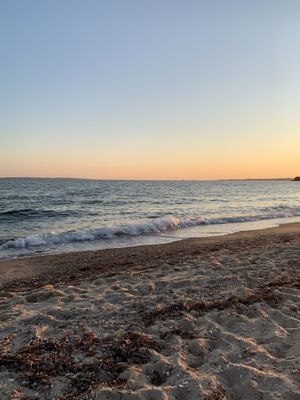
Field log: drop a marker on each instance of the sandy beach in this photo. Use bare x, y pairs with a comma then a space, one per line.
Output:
213, 318
150, 200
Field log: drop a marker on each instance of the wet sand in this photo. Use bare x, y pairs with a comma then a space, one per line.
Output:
213, 318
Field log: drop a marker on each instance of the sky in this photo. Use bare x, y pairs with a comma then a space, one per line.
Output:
140, 89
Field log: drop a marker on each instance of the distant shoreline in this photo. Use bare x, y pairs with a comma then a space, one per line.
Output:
145, 180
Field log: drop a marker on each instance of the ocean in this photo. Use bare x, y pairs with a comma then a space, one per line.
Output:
47, 216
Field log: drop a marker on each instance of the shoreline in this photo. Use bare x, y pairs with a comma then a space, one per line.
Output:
210, 318
35, 271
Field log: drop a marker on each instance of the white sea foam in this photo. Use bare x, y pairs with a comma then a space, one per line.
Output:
156, 226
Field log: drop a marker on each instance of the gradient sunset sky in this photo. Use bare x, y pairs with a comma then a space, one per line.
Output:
160, 89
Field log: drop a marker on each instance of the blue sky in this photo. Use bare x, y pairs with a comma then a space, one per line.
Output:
149, 89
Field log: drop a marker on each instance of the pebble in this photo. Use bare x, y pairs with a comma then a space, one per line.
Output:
183, 384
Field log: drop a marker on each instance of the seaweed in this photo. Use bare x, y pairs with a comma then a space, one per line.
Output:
84, 361
264, 293
203, 306
217, 393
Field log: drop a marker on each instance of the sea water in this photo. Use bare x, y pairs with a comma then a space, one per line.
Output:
45, 216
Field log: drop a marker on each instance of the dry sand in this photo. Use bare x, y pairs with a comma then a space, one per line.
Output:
215, 318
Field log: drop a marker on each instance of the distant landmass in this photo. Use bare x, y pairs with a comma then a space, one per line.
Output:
297, 178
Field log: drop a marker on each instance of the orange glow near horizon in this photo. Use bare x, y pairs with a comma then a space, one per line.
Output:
188, 165
189, 157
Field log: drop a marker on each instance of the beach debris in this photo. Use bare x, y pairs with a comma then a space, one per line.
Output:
217, 393
177, 309
183, 383
83, 361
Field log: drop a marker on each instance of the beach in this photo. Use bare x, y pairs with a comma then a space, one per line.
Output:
149, 200
205, 318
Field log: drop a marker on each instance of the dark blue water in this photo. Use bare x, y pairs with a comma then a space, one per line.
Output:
58, 215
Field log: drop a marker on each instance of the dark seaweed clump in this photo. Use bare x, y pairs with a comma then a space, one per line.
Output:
84, 362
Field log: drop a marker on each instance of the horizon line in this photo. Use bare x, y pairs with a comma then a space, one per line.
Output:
149, 179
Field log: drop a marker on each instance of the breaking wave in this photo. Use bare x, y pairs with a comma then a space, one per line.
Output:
155, 226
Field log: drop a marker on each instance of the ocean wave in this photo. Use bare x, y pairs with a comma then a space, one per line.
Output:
157, 226
29, 213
